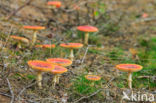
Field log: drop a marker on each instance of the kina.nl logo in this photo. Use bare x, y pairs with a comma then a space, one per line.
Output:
139, 97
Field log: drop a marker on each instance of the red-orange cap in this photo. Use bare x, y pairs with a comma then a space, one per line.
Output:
34, 27
55, 3
72, 45
40, 65
19, 38
93, 77
59, 70
87, 28
59, 61
48, 45
129, 67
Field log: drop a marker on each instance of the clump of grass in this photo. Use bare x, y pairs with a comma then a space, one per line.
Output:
82, 86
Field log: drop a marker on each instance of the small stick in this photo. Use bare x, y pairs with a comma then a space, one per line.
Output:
18, 9
11, 91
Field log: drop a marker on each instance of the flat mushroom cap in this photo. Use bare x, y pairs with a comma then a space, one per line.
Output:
55, 3
87, 28
45, 46
59, 61
22, 39
40, 65
72, 45
93, 77
48, 45
58, 70
34, 27
129, 67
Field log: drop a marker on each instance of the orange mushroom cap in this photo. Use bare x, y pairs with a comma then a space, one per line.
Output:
34, 27
55, 3
59, 70
93, 77
72, 45
59, 61
129, 67
46, 46
40, 65
20, 38
87, 28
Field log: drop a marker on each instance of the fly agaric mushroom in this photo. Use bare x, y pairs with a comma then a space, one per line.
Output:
19, 40
40, 66
87, 29
130, 68
46, 46
57, 71
35, 29
60, 61
71, 46
56, 4
93, 78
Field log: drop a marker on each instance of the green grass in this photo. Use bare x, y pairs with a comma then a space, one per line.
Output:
83, 86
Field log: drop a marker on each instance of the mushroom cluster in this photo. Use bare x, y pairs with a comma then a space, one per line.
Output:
58, 66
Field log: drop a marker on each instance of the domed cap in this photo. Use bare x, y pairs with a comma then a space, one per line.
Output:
55, 3
129, 67
72, 45
40, 65
87, 28
93, 77
34, 27
59, 70
22, 39
60, 61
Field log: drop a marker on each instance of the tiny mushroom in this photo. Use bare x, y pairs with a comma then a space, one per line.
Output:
40, 66
93, 78
35, 29
56, 4
87, 29
57, 71
71, 46
60, 61
46, 46
130, 68
19, 40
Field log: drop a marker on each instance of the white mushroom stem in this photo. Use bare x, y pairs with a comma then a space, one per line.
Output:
19, 45
58, 78
86, 38
130, 80
54, 81
34, 37
39, 79
71, 54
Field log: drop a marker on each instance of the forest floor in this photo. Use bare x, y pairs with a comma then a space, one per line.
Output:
127, 34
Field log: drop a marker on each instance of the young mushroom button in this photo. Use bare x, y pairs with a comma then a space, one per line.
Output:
40, 66
71, 46
93, 78
87, 29
130, 68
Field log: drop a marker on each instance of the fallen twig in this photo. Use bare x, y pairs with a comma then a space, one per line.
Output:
11, 91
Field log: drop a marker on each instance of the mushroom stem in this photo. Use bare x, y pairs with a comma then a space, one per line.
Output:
86, 38
71, 54
39, 79
54, 81
58, 78
34, 37
130, 80
19, 45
